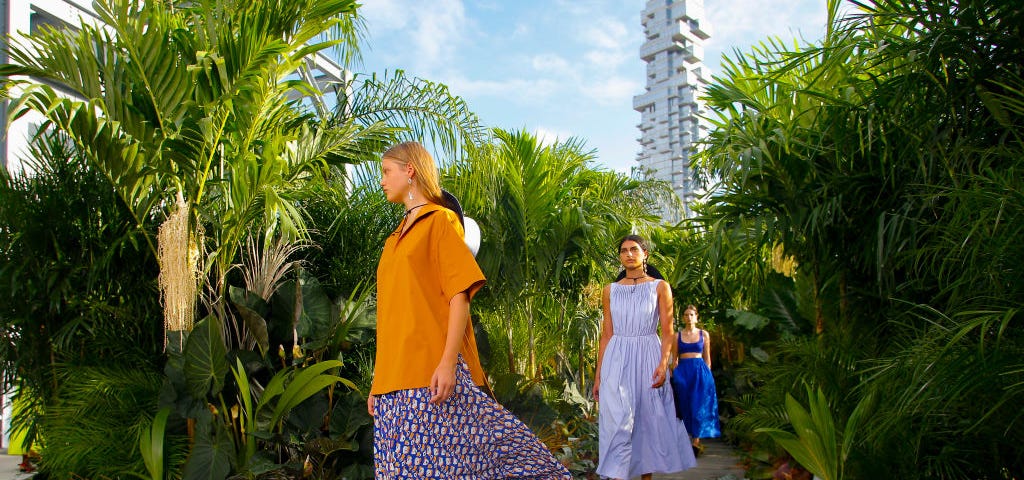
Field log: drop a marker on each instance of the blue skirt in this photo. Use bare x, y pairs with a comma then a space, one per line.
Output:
469, 436
693, 387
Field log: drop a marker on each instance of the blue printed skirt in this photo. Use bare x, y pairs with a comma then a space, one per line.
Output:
469, 436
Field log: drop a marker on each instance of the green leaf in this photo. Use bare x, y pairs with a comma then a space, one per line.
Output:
211, 456
249, 306
205, 358
748, 320
815, 444
151, 444
349, 416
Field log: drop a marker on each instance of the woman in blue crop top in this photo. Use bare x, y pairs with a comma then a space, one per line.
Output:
693, 386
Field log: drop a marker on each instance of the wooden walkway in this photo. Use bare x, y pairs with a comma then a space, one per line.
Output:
719, 462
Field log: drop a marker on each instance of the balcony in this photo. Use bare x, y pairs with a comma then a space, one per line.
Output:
642, 101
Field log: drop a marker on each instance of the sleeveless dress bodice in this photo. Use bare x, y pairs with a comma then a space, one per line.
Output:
635, 309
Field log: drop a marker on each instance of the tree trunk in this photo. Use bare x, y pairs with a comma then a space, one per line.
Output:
508, 332
844, 301
533, 341
819, 315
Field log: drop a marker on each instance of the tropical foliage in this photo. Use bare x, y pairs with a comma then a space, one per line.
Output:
74, 336
207, 102
550, 221
882, 163
857, 260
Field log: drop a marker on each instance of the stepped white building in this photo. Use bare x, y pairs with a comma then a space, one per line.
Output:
675, 32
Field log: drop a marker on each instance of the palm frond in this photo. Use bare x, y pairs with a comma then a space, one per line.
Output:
424, 110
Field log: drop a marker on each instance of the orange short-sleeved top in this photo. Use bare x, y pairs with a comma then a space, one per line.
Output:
418, 274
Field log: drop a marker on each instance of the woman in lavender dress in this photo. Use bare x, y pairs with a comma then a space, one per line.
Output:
639, 432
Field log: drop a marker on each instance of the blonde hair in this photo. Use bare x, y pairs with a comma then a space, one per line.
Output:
426, 178
691, 307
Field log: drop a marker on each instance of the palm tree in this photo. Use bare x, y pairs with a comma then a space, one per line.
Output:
884, 159
775, 152
192, 100
81, 290
550, 221
189, 101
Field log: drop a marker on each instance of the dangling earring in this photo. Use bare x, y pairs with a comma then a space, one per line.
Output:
410, 188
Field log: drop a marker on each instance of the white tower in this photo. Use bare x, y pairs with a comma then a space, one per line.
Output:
676, 77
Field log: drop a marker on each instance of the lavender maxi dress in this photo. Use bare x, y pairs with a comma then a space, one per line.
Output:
639, 431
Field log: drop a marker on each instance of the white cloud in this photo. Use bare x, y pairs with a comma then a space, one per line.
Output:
742, 23
607, 59
549, 136
440, 26
522, 30
384, 15
552, 64
609, 43
436, 29
605, 33
612, 91
517, 90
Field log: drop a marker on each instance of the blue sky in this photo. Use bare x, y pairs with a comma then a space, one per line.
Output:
558, 68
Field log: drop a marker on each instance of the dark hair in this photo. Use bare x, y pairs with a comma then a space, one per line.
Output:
648, 268
452, 203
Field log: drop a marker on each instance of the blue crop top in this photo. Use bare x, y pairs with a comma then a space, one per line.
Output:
695, 347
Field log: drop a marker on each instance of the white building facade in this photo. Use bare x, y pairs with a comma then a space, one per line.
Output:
675, 31
23, 17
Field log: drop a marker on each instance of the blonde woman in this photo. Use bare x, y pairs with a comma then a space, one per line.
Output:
431, 419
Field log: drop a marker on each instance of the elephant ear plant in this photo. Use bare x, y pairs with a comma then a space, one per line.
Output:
266, 411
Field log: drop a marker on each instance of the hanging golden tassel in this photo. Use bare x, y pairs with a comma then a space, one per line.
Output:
781, 263
178, 253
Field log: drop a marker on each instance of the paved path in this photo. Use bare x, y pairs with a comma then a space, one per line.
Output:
719, 462
9, 467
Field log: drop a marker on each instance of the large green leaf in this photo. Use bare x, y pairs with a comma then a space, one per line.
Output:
205, 358
816, 444
306, 382
347, 418
212, 454
252, 309
317, 315
778, 302
749, 320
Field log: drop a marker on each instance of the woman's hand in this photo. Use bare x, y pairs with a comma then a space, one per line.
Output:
442, 383
658, 377
371, 401
597, 389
